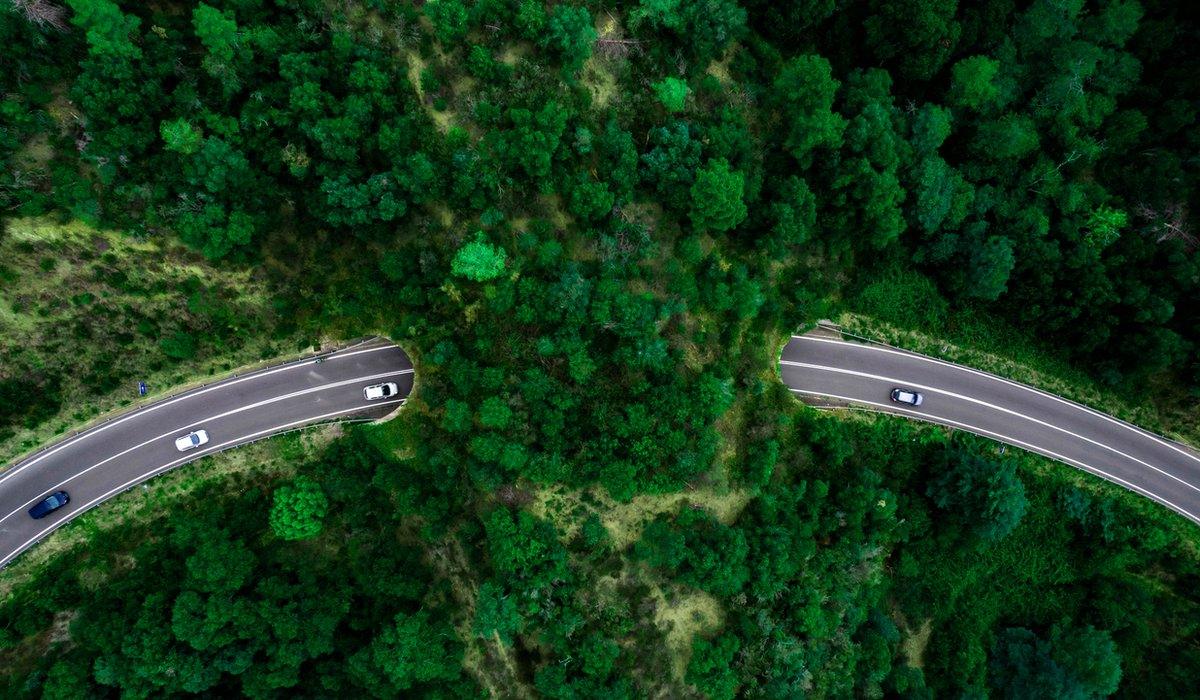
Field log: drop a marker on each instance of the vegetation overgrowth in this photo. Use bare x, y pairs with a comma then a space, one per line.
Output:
591, 223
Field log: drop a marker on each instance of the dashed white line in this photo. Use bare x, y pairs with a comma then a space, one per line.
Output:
162, 404
240, 409
1066, 402
931, 418
963, 397
191, 457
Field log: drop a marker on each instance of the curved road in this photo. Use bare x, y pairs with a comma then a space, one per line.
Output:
829, 371
113, 456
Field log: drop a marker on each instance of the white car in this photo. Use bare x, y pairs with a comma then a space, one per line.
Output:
192, 440
380, 391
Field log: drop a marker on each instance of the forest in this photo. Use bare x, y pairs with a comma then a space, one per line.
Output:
593, 226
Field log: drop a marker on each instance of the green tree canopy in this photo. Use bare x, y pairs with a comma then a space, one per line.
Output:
478, 260
717, 197
982, 493
298, 509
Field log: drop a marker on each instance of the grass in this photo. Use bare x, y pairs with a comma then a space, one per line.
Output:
685, 614
87, 308
569, 508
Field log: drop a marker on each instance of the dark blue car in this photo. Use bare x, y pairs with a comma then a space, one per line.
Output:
49, 504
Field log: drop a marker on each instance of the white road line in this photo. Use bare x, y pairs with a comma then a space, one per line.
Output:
191, 457
187, 395
930, 418
1066, 402
198, 423
894, 381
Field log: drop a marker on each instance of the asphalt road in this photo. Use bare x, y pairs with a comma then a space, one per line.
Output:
120, 453
828, 371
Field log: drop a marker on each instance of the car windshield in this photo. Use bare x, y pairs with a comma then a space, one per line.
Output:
195, 439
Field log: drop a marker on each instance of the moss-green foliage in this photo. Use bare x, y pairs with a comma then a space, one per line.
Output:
479, 260
592, 265
298, 509
672, 93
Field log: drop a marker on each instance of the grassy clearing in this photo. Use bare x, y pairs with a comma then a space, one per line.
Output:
268, 460
984, 343
686, 613
569, 508
86, 313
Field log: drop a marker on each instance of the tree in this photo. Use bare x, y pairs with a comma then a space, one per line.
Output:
1073, 663
793, 215
699, 549
1104, 226
411, 649
930, 127
298, 509
918, 35
805, 89
984, 494
711, 668
672, 93
571, 33
218, 33
717, 193
973, 83
478, 260
590, 201
705, 27
215, 233
496, 613
494, 413
988, 269
180, 136
670, 166
449, 19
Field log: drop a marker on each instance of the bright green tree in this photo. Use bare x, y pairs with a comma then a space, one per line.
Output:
672, 93
973, 83
478, 260
1104, 226
180, 136
717, 203
298, 509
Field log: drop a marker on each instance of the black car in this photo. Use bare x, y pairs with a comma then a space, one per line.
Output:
49, 504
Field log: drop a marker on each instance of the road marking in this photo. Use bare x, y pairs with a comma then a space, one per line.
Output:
931, 418
158, 470
167, 402
1074, 404
963, 397
195, 424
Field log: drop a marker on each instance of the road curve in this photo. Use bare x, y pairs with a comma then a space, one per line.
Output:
825, 370
111, 457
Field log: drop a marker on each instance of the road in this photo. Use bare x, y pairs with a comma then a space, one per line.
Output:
129, 449
830, 371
